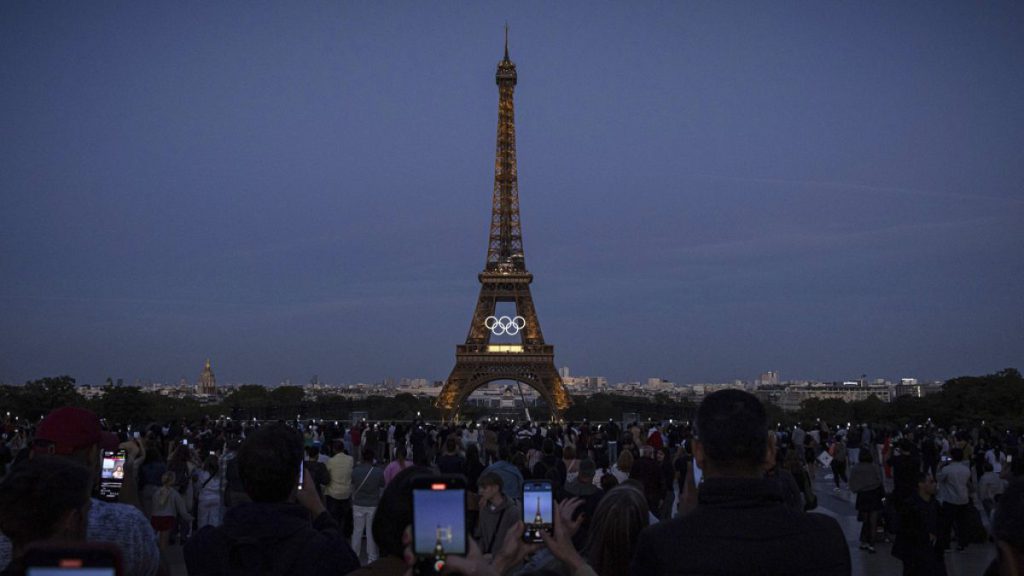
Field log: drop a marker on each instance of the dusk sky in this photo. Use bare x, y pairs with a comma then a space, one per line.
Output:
708, 190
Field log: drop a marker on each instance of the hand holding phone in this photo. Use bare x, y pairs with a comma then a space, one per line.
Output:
439, 521
559, 541
112, 474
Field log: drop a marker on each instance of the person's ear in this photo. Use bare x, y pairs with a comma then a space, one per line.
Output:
698, 453
770, 450
72, 525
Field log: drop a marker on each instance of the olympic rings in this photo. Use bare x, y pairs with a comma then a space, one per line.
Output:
505, 325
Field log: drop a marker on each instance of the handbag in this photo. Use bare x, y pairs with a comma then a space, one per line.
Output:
810, 498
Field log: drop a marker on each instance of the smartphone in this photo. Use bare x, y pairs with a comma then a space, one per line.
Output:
1009, 458
538, 509
184, 442
77, 559
112, 474
438, 521
302, 470
135, 434
698, 474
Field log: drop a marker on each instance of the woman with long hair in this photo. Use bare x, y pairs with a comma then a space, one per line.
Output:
866, 482
615, 529
612, 539
168, 507
396, 465
209, 504
622, 468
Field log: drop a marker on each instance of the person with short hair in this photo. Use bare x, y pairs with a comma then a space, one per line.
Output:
339, 491
583, 487
955, 482
990, 488
917, 542
273, 533
317, 469
45, 498
741, 523
75, 434
498, 513
368, 479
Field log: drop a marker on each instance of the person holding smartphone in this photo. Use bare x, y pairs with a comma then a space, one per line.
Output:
76, 434
283, 530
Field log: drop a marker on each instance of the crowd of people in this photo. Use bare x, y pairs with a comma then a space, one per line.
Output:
726, 494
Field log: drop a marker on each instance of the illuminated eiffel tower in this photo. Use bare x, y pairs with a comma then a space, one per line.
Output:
504, 279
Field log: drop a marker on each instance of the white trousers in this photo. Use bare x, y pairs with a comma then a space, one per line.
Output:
362, 520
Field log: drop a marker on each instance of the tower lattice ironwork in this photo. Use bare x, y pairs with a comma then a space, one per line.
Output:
504, 279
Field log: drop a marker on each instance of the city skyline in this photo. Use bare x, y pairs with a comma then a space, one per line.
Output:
707, 191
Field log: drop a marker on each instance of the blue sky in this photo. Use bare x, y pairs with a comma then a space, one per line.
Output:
709, 190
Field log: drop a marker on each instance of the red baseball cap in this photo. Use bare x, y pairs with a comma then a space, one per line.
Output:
68, 429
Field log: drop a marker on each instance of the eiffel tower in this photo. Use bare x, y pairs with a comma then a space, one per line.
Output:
504, 279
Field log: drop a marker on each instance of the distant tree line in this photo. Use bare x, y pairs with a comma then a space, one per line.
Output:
997, 399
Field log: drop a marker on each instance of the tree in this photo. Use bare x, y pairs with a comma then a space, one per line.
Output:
38, 397
127, 405
249, 400
286, 401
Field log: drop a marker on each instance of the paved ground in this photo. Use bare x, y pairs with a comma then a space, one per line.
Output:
840, 506
837, 505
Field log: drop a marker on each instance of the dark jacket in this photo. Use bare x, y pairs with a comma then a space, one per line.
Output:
742, 526
272, 539
913, 544
648, 472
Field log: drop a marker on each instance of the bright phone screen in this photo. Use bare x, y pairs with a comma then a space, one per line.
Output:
112, 473
538, 512
439, 518
54, 571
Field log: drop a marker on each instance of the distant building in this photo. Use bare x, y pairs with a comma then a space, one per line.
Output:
659, 385
207, 381
906, 389
769, 378
791, 398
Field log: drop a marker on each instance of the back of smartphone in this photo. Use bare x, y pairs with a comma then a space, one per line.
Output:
439, 521
73, 559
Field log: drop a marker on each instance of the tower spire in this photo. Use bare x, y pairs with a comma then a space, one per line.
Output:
506, 42
505, 245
